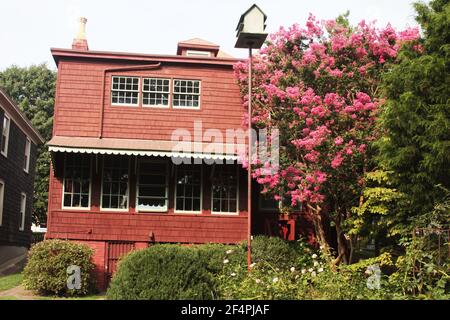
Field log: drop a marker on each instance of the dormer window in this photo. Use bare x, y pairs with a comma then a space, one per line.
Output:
186, 93
196, 53
125, 91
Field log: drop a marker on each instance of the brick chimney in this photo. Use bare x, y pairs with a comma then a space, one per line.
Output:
80, 42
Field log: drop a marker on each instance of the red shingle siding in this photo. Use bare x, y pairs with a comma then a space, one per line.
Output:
79, 102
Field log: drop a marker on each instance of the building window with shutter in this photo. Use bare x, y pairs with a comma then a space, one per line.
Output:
152, 186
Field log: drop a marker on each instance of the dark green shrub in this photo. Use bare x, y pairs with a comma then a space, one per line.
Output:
278, 252
167, 272
46, 269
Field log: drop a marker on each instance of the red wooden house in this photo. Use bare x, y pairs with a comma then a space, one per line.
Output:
117, 182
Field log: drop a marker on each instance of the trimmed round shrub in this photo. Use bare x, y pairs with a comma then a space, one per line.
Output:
166, 272
47, 271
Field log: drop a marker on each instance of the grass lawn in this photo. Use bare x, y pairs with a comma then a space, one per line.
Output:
10, 281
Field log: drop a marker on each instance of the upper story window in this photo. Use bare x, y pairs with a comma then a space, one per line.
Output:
77, 181
155, 92
196, 53
125, 91
5, 135
26, 159
186, 93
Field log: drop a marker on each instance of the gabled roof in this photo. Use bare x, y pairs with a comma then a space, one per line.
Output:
241, 19
198, 41
7, 104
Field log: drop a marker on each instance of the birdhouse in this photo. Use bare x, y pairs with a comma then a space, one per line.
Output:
250, 29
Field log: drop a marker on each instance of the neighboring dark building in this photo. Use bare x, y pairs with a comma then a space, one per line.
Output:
18, 146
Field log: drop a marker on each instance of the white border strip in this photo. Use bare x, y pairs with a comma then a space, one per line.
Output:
144, 153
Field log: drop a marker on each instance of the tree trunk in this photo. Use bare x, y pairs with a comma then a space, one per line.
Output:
342, 243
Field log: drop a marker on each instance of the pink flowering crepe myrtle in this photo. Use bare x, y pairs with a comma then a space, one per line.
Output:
319, 86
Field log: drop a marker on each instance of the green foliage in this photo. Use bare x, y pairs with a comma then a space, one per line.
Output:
33, 89
46, 270
416, 117
423, 272
378, 208
166, 272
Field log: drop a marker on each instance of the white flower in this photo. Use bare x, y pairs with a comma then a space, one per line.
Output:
229, 251
320, 270
314, 256
310, 269
316, 263
276, 269
297, 276
292, 269
313, 273
275, 279
321, 247
226, 261
233, 274
252, 265
303, 271
257, 280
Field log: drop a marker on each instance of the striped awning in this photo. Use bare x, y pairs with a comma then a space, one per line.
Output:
154, 148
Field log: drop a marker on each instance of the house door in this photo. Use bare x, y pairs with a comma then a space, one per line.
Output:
115, 250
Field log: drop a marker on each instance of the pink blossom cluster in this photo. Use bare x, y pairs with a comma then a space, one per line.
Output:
317, 84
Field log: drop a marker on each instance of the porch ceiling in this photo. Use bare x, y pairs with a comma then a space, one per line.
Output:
158, 148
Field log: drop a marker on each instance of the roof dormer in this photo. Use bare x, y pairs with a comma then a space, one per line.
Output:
197, 48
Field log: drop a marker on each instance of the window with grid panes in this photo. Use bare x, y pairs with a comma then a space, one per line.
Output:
188, 188
125, 90
186, 93
77, 178
115, 183
155, 92
152, 188
224, 189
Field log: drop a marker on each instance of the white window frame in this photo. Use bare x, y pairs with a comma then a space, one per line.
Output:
198, 53
128, 191
169, 93
2, 197
122, 90
199, 94
8, 127
23, 210
88, 208
138, 173
201, 194
27, 154
220, 213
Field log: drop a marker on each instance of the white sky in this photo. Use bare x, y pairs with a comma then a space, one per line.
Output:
29, 28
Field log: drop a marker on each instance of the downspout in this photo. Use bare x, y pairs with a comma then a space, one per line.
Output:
134, 68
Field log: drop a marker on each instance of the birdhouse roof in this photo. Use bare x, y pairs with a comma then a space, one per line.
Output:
241, 20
